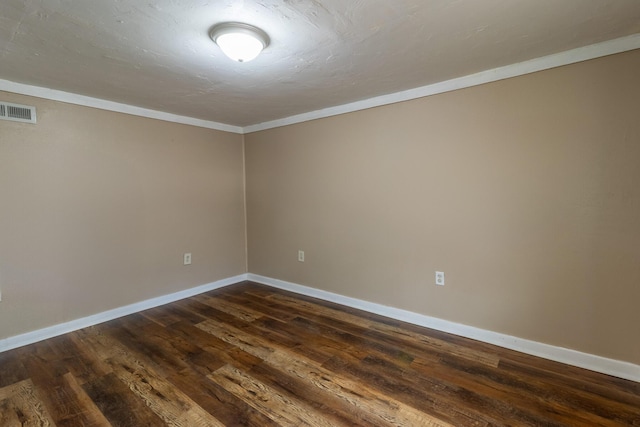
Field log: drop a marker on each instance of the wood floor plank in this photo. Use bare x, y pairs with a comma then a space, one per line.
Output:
333, 407
351, 339
263, 306
624, 409
119, 404
396, 332
238, 311
521, 399
48, 373
252, 355
166, 315
146, 339
217, 348
19, 406
77, 360
576, 380
184, 365
11, 416
170, 352
11, 368
253, 326
285, 410
355, 336
92, 414
173, 406
215, 399
439, 399
385, 408
323, 349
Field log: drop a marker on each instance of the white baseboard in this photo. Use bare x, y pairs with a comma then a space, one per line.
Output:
74, 325
592, 362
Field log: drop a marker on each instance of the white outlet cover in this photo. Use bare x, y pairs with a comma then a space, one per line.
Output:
440, 278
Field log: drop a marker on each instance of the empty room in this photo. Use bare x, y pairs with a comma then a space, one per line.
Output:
319, 213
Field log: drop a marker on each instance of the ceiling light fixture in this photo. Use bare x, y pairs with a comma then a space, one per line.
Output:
240, 42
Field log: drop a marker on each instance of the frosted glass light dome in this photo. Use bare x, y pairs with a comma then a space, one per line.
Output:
240, 42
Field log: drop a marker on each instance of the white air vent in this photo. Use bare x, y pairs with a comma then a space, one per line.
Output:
17, 113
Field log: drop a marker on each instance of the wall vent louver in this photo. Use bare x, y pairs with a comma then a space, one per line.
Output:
17, 112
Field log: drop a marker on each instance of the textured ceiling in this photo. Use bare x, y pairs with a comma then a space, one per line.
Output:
157, 54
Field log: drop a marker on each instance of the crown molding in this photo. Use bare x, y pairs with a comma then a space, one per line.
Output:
102, 104
568, 57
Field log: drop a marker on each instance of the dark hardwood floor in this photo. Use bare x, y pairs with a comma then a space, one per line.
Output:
256, 356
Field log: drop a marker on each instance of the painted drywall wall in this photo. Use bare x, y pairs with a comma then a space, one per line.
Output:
97, 209
525, 192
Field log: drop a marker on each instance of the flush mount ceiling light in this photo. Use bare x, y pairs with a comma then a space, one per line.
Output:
240, 42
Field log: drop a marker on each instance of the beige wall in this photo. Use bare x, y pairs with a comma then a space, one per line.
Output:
525, 192
97, 209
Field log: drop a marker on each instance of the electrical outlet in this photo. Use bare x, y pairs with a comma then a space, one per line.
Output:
301, 256
187, 259
440, 278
